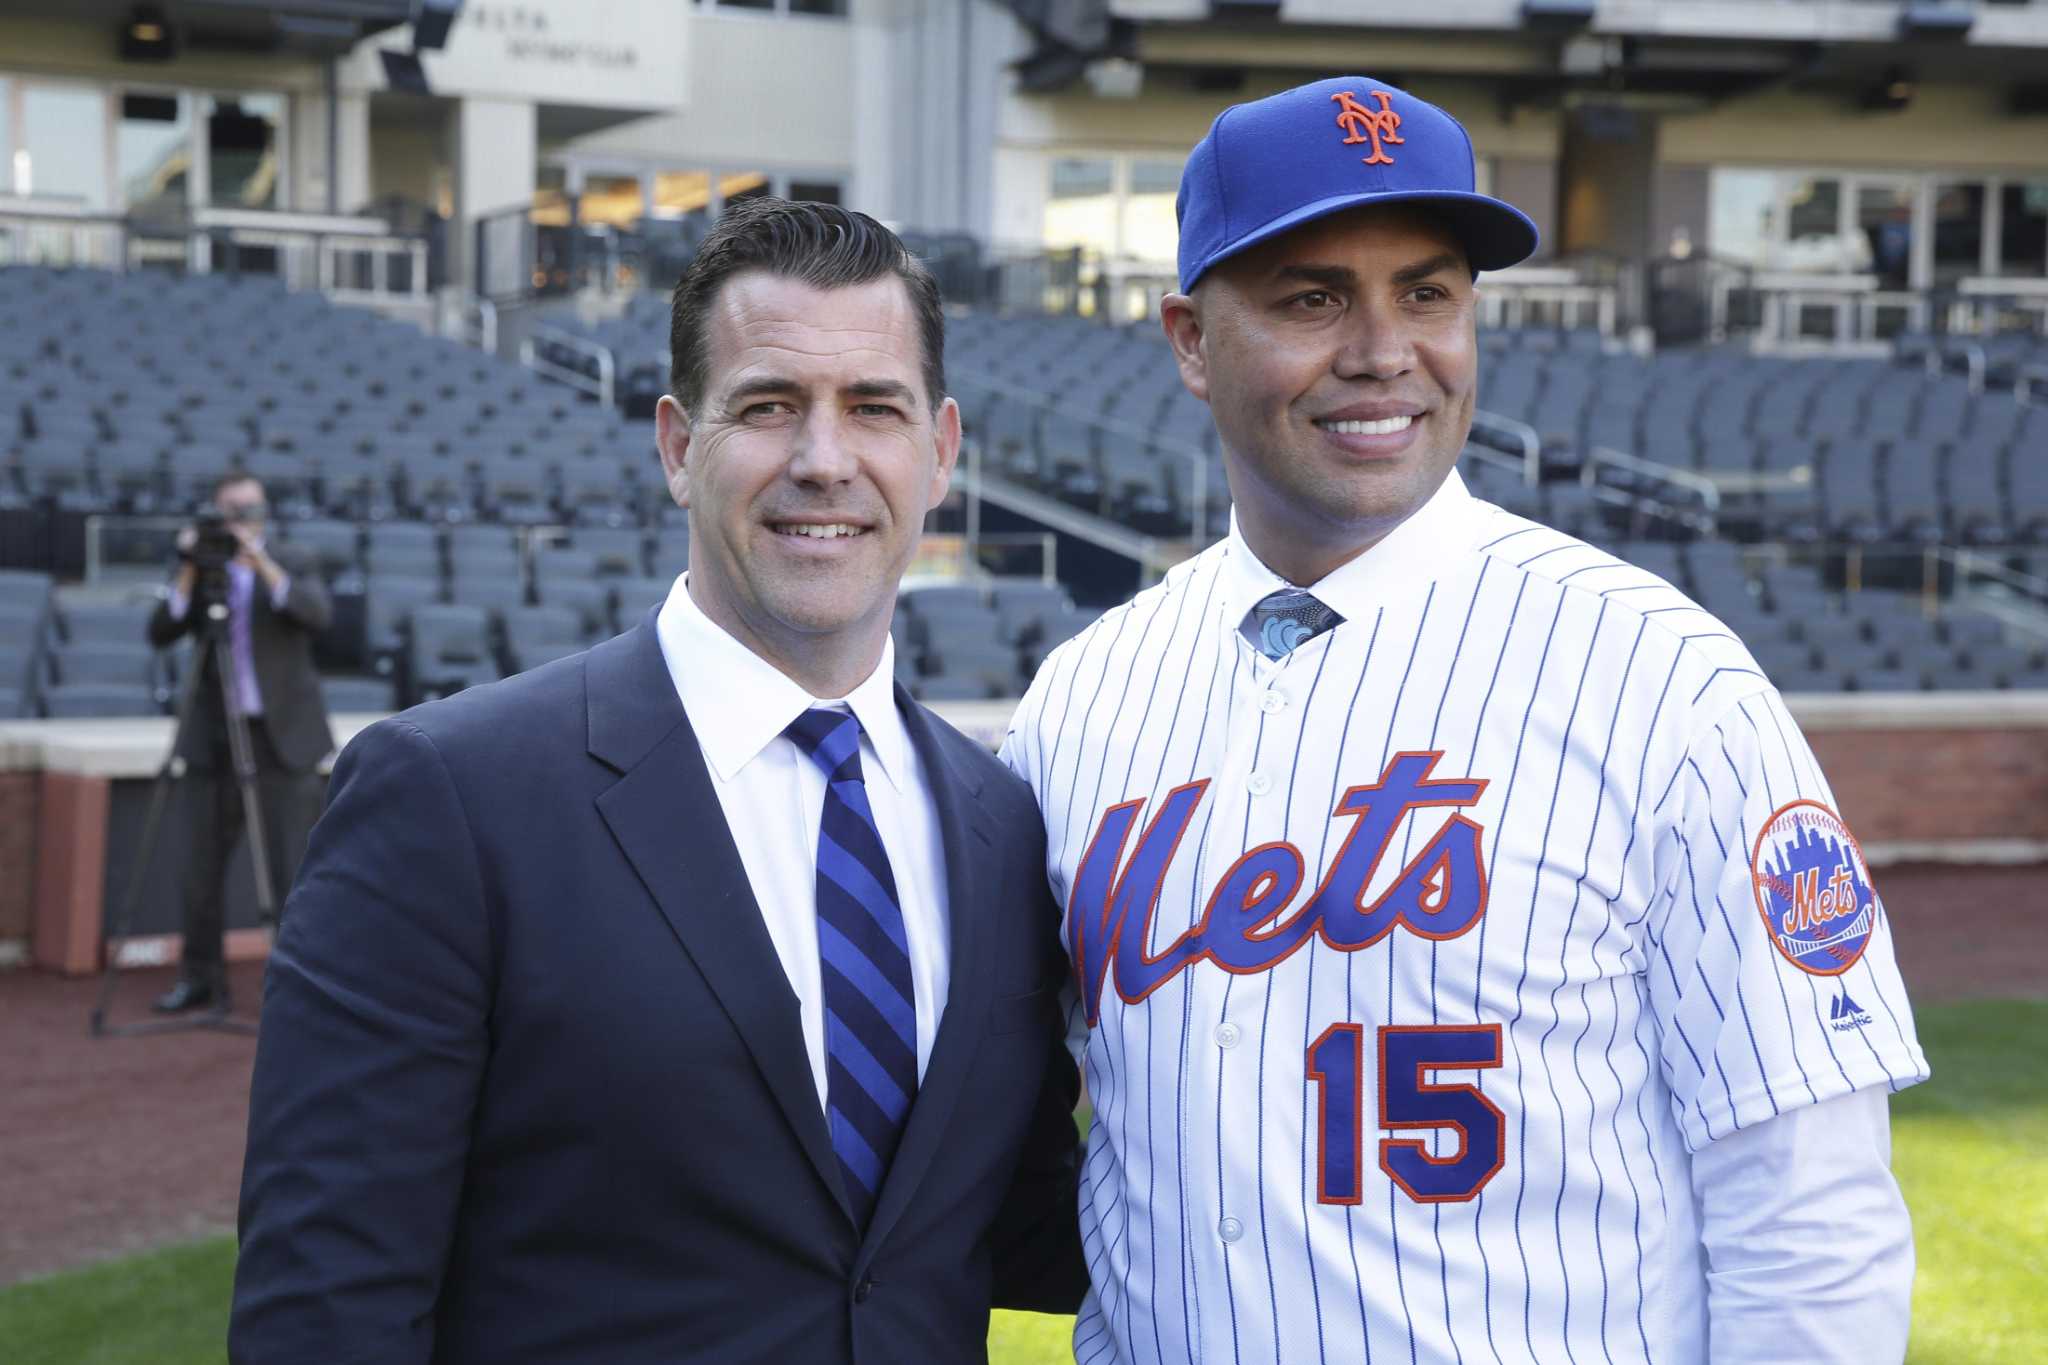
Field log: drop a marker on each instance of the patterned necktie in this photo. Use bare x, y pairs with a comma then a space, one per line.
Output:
870, 1010
1282, 620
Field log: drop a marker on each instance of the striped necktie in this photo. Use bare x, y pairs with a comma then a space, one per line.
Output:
870, 1010
1284, 619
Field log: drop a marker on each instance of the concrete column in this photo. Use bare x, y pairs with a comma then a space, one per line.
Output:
495, 154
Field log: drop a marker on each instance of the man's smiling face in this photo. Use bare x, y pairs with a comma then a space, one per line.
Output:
1340, 362
811, 460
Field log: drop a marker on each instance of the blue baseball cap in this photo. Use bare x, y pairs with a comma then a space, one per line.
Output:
1273, 164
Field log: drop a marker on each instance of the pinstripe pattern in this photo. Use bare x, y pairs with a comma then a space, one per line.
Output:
1631, 751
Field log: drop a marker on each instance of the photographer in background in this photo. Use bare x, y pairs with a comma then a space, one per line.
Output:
276, 604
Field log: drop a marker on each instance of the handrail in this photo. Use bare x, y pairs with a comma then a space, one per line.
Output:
1197, 458
1527, 443
602, 386
1708, 493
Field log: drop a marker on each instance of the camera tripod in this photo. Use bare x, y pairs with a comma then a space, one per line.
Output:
212, 650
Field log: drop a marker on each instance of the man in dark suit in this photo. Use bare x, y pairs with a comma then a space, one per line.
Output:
276, 604
692, 998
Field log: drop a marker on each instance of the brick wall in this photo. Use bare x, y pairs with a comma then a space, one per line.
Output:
20, 802
1914, 786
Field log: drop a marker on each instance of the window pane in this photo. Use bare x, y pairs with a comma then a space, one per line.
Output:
733, 186
1150, 233
1884, 216
746, 4
153, 154
817, 191
817, 6
613, 199
64, 135
550, 197
2023, 243
1958, 232
242, 151
1082, 208
1742, 215
6, 143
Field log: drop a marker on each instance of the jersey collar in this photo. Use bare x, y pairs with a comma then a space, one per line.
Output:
1410, 555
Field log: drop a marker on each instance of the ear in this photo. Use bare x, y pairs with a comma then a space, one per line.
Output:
946, 437
672, 438
1181, 318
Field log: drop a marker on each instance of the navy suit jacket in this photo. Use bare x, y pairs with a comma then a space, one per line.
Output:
532, 1084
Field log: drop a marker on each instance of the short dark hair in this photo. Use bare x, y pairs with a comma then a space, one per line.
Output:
821, 245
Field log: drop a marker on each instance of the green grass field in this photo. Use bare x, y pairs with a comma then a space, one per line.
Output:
1970, 1149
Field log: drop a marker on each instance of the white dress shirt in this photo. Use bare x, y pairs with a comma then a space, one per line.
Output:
739, 704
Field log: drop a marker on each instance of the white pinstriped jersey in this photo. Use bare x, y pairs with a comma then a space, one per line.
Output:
1413, 966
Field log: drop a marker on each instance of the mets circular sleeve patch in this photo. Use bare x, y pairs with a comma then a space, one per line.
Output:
1813, 888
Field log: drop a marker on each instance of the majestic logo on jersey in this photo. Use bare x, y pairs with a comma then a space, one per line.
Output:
1360, 124
1845, 1014
1813, 888
1439, 894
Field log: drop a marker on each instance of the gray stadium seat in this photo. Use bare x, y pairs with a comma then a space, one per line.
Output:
589, 599
124, 623
105, 663
450, 649
534, 655
636, 597
92, 700
372, 695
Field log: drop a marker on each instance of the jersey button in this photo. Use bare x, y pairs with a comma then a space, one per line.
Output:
1230, 1229
1258, 784
1272, 703
1227, 1035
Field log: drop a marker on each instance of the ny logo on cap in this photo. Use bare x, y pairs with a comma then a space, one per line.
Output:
1360, 123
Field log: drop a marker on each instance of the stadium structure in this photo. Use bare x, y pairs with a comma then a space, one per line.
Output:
1786, 343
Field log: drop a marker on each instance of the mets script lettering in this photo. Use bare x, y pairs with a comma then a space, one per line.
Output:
1440, 894
1359, 123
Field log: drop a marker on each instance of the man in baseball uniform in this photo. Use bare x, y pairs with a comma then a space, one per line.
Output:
1471, 963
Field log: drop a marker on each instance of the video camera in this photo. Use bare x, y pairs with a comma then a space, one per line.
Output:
215, 544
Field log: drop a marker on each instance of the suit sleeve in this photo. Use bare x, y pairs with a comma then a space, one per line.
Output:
306, 601
1036, 1240
165, 627
374, 1041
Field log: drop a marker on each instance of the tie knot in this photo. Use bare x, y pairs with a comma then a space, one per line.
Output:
1284, 619
831, 738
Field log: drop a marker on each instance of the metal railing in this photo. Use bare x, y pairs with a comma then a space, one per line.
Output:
1196, 458
357, 261
1516, 437
598, 382
1549, 296
1636, 471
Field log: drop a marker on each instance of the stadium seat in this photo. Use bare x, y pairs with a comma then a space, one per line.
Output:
124, 623
635, 597
371, 695
589, 599
105, 663
96, 700
450, 649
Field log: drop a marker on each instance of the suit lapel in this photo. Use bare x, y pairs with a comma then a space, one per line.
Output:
665, 815
964, 827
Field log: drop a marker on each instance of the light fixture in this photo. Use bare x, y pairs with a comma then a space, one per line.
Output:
146, 35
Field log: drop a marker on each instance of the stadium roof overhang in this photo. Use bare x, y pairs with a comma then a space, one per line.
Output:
305, 28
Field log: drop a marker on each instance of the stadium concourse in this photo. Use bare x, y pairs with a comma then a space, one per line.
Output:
474, 519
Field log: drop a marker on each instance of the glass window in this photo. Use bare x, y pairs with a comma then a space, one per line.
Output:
1958, 232
1884, 218
153, 154
2023, 228
817, 191
64, 145
243, 151
551, 197
831, 7
733, 186
6, 143
613, 199
1149, 230
1081, 210
1742, 215
681, 194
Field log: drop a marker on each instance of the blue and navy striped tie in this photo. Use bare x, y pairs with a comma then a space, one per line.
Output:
870, 1010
